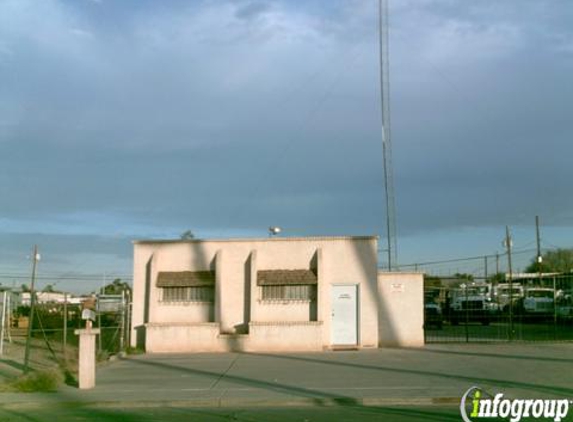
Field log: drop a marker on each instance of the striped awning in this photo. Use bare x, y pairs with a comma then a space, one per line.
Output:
286, 277
185, 278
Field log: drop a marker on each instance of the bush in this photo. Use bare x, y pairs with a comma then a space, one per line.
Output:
102, 356
40, 381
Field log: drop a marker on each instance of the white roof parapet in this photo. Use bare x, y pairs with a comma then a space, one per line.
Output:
257, 239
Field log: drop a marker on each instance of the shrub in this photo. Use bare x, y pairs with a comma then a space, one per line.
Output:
134, 351
40, 381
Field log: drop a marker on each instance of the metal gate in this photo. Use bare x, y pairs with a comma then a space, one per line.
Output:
534, 309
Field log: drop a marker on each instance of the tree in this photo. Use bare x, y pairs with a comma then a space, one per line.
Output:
496, 278
557, 261
464, 276
432, 281
187, 235
116, 287
48, 289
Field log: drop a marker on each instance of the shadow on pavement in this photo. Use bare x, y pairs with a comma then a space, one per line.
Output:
471, 380
316, 395
496, 355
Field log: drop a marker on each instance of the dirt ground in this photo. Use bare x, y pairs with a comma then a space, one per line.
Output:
43, 355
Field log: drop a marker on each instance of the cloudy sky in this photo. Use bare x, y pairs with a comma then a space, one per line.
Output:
135, 119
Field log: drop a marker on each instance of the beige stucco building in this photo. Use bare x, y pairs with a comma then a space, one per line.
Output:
272, 294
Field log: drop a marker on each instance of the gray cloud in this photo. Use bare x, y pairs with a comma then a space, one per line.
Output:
252, 10
227, 116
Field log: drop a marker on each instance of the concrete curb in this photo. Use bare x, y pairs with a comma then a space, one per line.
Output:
222, 402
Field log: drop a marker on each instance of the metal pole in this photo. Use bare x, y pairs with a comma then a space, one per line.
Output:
467, 313
4, 301
65, 339
554, 308
99, 324
122, 326
9, 312
508, 247
128, 301
99, 337
485, 268
386, 137
35, 258
539, 258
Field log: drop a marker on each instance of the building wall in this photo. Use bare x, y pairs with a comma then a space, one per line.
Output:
188, 312
401, 312
338, 260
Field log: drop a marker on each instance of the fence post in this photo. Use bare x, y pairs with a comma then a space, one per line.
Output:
99, 338
65, 335
554, 309
3, 322
508, 245
467, 313
128, 318
122, 326
87, 356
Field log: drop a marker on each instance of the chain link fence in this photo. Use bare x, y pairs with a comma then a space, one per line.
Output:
53, 342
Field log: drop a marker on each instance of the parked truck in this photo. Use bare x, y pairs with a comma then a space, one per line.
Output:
470, 304
539, 301
506, 294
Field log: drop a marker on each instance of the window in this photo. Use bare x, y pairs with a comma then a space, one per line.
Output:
289, 292
188, 294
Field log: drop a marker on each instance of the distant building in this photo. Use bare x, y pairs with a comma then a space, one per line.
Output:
272, 294
50, 297
43, 297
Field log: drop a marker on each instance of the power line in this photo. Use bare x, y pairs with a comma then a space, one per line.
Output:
471, 258
446, 261
81, 278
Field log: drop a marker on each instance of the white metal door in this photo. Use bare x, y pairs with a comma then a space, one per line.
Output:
344, 329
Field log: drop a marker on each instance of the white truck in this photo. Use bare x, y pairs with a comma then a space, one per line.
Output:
470, 304
539, 301
505, 294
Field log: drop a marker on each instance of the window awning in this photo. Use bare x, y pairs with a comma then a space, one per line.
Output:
185, 278
285, 277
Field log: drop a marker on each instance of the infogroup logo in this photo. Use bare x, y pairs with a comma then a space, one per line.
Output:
477, 404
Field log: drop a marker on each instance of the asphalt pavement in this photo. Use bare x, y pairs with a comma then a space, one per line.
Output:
434, 375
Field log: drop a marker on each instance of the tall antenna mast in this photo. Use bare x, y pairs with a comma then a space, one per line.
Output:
386, 138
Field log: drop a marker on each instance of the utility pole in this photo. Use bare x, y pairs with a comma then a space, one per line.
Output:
98, 309
497, 262
485, 268
35, 259
507, 244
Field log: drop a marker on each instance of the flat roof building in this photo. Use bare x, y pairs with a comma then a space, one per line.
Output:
272, 294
